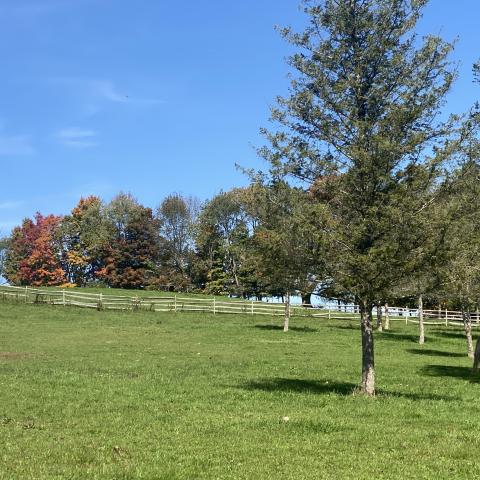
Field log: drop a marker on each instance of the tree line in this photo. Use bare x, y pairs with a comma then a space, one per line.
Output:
371, 194
216, 247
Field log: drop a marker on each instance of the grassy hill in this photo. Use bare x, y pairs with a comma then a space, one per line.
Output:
120, 395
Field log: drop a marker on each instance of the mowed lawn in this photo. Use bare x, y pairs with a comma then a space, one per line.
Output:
118, 395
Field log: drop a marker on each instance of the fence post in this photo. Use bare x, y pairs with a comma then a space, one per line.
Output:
63, 297
175, 303
406, 315
446, 317
251, 308
214, 306
329, 314
26, 294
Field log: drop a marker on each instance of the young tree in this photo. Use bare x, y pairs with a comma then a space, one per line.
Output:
461, 273
286, 245
363, 115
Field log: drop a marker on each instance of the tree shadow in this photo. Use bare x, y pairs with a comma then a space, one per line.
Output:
464, 373
300, 386
325, 387
347, 327
449, 334
435, 353
392, 336
293, 329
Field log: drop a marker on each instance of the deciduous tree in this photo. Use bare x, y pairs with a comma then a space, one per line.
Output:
131, 258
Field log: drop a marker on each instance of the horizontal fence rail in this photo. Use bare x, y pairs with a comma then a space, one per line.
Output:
175, 303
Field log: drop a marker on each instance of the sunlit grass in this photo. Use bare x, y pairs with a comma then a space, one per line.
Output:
140, 395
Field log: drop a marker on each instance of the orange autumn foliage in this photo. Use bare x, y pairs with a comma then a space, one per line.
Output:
41, 265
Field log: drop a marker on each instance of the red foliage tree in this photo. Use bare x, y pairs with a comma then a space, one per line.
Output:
33, 254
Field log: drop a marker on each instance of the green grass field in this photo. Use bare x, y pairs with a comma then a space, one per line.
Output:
118, 395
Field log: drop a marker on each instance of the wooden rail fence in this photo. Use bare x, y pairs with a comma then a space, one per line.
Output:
176, 303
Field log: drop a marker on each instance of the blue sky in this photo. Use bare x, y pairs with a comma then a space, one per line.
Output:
152, 96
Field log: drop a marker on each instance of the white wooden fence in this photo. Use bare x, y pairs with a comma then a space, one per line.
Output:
177, 303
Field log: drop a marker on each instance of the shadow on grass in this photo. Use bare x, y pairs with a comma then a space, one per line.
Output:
385, 335
435, 353
464, 373
300, 386
325, 387
293, 329
346, 327
449, 334
390, 335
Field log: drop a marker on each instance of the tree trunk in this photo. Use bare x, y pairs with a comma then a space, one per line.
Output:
476, 357
368, 359
387, 318
421, 326
307, 300
287, 312
379, 318
467, 325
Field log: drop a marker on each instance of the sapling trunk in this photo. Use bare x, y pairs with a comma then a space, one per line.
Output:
387, 318
368, 359
287, 312
467, 325
379, 318
421, 326
476, 357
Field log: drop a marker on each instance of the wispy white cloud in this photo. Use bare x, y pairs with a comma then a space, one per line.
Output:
10, 205
77, 137
13, 145
107, 90
97, 93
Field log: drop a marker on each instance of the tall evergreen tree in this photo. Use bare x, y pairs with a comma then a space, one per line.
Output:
363, 113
